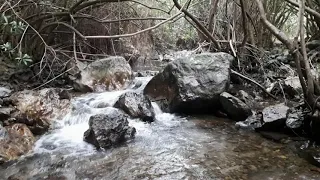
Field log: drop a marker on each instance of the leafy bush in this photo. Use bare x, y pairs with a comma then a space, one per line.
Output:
10, 27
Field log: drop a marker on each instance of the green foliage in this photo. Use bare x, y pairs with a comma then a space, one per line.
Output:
9, 25
11, 28
18, 56
7, 49
23, 58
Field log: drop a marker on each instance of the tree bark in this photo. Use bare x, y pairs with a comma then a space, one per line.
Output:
200, 26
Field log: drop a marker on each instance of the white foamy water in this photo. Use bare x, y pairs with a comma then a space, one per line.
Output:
67, 135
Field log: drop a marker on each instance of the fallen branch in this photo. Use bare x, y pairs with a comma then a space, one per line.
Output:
254, 82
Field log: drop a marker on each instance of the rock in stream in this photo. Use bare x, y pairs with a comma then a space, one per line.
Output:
136, 105
15, 141
192, 84
108, 130
112, 73
234, 107
37, 109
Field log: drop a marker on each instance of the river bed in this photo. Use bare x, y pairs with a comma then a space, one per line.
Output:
172, 147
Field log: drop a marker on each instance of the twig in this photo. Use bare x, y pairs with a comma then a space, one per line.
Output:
3, 5
308, 9
196, 21
254, 82
284, 95
178, 15
53, 79
149, 7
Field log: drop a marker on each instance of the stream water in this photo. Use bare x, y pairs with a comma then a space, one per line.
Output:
172, 147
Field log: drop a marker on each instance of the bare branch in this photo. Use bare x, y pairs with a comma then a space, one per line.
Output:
274, 30
201, 27
307, 9
254, 82
149, 7
178, 15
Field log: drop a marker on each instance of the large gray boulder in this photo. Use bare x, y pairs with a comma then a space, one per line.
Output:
110, 129
112, 73
192, 84
136, 105
234, 107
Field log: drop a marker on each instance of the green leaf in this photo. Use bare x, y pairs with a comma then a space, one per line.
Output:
25, 62
14, 24
5, 18
26, 56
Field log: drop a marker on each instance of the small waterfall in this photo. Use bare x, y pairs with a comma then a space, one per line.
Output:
68, 132
156, 108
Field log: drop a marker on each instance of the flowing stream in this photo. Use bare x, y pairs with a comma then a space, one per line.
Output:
172, 147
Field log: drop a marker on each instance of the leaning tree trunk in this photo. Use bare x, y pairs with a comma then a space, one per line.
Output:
307, 81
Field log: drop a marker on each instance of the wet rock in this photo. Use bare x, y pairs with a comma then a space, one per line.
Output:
192, 84
4, 92
136, 105
102, 105
234, 107
292, 86
112, 73
274, 117
252, 122
246, 98
3, 133
137, 85
147, 73
108, 130
38, 108
295, 118
5, 113
18, 141
7, 101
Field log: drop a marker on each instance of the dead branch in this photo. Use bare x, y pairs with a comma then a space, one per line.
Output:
178, 15
254, 82
200, 26
307, 9
117, 20
149, 7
